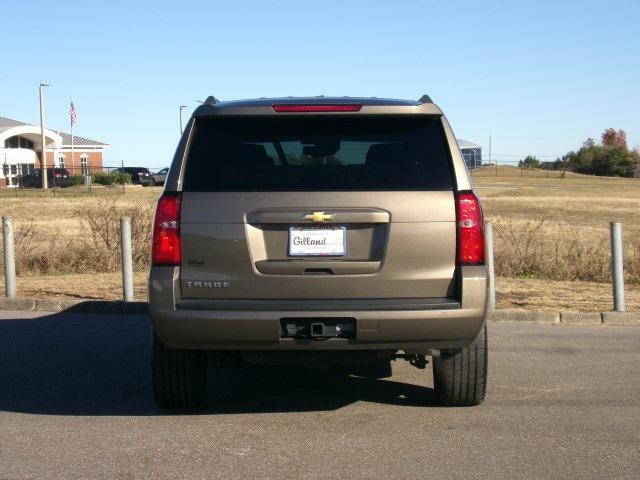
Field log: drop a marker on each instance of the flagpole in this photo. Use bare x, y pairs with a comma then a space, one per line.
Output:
73, 160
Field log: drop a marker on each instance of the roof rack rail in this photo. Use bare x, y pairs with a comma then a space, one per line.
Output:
211, 100
425, 99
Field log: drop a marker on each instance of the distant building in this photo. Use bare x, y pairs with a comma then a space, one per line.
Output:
471, 152
21, 151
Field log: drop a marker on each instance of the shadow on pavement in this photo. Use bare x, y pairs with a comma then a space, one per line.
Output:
94, 364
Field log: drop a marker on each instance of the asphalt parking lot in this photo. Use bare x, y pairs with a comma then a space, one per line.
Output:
563, 402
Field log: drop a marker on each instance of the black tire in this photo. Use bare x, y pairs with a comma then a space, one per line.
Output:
179, 376
460, 376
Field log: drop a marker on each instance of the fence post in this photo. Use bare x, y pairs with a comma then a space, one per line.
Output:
87, 178
122, 176
9, 257
488, 239
617, 267
127, 260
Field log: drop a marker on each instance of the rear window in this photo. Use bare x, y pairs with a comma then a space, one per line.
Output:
318, 153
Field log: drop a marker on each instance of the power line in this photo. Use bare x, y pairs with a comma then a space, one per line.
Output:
525, 155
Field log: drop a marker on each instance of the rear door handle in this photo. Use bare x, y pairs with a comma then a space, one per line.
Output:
340, 215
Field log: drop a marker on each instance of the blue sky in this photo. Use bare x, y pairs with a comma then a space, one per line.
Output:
540, 77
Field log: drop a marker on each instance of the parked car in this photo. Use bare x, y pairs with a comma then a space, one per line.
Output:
139, 175
159, 178
55, 176
318, 231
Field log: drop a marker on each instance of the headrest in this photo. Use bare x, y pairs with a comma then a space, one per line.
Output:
252, 155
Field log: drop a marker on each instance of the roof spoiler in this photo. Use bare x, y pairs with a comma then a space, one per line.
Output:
425, 99
211, 100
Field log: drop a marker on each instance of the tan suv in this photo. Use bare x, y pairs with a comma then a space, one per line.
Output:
318, 231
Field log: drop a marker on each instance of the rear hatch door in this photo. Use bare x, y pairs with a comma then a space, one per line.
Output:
318, 207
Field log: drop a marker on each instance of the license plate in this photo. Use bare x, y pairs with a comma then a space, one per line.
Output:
317, 241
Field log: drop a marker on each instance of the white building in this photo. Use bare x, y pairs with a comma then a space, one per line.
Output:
21, 150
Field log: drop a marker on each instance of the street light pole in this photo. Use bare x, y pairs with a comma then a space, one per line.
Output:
43, 158
181, 107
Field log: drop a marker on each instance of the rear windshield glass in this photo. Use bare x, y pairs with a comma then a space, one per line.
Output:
318, 153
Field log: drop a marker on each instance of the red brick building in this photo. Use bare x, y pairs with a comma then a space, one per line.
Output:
21, 151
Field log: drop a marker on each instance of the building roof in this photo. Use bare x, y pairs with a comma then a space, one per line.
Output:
66, 140
465, 144
7, 123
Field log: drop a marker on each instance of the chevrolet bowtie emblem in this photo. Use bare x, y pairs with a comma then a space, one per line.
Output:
318, 216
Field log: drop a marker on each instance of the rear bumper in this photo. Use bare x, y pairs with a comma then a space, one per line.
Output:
62, 183
400, 325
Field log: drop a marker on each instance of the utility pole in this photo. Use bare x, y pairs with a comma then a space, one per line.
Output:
43, 159
490, 156
123, 174
181, 108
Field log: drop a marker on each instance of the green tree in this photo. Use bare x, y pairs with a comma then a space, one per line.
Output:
611, 158
530, 162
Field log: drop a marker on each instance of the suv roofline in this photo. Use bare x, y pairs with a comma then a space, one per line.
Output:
264, 107
370, 106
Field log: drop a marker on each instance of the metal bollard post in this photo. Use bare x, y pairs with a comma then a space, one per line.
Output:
127, 260
617, 267
488, 240
9, 258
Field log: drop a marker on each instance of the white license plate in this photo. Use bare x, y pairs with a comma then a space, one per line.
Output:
317, 241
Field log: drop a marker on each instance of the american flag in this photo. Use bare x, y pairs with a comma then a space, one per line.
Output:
73, 114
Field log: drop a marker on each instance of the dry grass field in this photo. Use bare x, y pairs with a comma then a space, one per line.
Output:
577, 200
558, 228
551, 237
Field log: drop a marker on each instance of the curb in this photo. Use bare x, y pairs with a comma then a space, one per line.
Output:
497, 316
581, 318
567, 318
621, 318
524, 316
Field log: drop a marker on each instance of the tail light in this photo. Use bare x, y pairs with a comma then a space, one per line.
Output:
166, 249
470, 229
299, 108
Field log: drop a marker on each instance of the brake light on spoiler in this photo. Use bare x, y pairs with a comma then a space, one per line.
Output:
306, 108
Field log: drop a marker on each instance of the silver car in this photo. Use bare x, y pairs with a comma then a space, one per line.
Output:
160, 176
